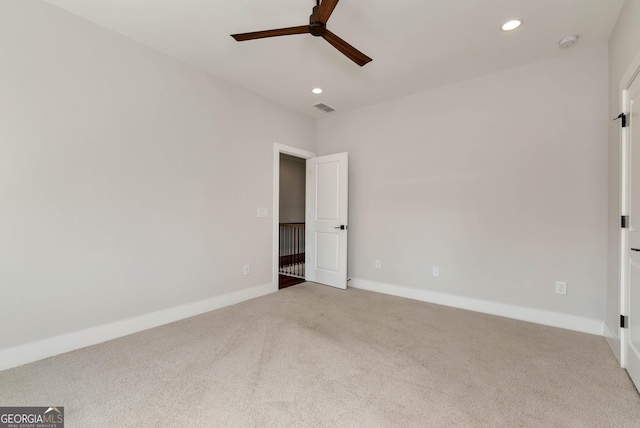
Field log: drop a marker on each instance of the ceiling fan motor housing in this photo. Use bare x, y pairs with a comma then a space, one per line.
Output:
316, 28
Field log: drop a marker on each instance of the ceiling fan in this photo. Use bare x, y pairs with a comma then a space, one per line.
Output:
317, 27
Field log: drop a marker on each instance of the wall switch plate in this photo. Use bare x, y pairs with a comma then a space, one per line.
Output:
263, 212
561, 288
246, 270
435, 272
378, 264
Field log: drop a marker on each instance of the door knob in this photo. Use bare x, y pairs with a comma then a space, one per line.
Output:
635, 249
343, 227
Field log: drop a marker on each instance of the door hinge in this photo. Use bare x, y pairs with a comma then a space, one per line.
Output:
624, 221
623, 118
624, 321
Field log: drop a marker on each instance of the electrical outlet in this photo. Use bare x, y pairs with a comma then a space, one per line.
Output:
435, 272
378, 264
246, 270
263, 212
561, 288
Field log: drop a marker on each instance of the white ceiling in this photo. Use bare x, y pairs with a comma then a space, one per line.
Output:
415, 44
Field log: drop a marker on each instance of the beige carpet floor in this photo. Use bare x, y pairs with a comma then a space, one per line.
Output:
313, 356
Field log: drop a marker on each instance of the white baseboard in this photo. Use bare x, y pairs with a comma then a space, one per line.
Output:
34, 351
538, 316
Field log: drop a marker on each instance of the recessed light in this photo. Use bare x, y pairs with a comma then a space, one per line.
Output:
511, 25
316, 90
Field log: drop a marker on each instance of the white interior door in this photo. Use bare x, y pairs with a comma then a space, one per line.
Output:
633, 297
327, 213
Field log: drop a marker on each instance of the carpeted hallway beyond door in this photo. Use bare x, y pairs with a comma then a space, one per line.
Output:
313, 356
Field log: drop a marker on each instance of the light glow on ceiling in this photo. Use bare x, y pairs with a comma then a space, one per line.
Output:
511, 25
316, 90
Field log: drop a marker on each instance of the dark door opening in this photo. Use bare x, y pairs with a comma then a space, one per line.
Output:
291, 266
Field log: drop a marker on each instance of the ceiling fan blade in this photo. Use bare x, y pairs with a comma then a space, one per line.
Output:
352, 53
271, 33
325, 10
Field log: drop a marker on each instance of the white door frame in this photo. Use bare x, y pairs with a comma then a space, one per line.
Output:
277, 150
625, 82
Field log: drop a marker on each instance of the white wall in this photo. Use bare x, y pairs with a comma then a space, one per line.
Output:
500, 181
624, 46
129, 181
292, 189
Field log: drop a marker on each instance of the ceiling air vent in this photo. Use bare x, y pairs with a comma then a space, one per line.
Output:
325, 108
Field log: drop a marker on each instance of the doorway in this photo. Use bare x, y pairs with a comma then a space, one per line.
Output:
291, 222
326, 214
290, 204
